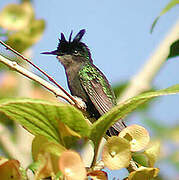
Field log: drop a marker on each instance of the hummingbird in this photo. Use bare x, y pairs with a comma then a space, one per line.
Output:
85, 80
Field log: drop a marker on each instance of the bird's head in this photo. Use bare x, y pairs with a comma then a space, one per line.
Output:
72, 51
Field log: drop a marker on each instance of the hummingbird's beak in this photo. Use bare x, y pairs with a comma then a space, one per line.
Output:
55, 52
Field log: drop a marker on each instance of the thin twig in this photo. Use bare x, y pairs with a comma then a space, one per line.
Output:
43, 72
58, 92
142, 81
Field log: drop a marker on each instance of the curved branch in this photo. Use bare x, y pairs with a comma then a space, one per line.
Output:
39, 69
58, 92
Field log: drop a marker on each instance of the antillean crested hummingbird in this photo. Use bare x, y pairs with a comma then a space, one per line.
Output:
85, 80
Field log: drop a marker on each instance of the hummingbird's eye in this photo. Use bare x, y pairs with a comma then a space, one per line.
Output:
76, 52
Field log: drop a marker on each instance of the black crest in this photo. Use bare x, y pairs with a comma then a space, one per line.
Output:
71, 47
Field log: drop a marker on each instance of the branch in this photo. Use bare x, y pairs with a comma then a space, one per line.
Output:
142, 81
58, 92
43, 72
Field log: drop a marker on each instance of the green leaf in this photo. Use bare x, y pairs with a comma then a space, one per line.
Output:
41, 145
170, 5
122, 110
34, 166
25, 38
41, 117
16, 16
35, 30
174, 50
59, 175
41, 148
19, 41
140, 158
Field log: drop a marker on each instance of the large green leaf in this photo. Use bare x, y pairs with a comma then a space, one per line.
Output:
16, 16
174, 49
170, 5
22, 40
42, 117
122, 110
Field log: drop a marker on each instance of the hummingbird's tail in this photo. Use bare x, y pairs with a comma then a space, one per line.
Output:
112, 132
116, 128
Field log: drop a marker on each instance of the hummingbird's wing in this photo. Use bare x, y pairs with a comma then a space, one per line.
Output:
97, 88
99, 91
